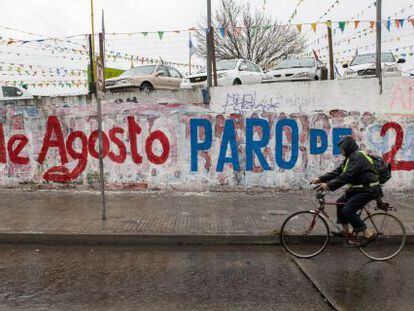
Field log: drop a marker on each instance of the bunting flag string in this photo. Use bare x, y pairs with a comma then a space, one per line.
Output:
399, 23
330, 8
406, 51
40, 69
47, 83
44, 46
295, 11
42, 56
114, 56
372, 22
43, 37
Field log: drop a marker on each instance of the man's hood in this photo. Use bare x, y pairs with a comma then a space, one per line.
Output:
348, 144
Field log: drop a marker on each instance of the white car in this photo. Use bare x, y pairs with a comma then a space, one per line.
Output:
14, 93
296, 69
229, 72
364, 66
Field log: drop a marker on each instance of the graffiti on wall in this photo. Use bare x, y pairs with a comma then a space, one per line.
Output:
246, 144
257, 137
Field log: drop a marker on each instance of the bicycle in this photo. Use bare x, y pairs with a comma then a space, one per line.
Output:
305, 234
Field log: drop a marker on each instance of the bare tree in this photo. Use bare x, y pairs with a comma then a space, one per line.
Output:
240, 33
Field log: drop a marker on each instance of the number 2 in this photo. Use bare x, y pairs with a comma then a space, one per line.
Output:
389, 157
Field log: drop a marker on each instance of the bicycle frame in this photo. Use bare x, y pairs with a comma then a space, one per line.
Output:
321, 211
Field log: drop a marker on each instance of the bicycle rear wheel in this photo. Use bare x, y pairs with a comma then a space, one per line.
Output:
391, 236
304, 234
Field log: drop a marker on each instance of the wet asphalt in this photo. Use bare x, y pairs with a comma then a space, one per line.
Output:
41, 277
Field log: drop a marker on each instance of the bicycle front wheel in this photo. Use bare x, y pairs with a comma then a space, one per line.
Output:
391, 236
304, 234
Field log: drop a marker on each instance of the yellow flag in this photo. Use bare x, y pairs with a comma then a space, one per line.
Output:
356, 24
299, 26
313, 25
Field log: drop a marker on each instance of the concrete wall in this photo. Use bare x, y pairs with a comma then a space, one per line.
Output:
262, 136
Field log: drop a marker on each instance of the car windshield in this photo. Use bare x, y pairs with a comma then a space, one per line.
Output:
370, 59
138, 71
223, 65
226, 64
296, 63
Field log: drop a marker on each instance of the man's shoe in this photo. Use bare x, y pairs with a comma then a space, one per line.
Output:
350, 240
363, 241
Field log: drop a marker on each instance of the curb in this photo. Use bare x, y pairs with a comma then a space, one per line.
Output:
133, 239
145, 239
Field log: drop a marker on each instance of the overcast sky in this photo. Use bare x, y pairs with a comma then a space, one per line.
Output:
61, 18
68, 17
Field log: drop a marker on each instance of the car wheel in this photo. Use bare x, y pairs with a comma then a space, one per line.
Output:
147, 87
237, 82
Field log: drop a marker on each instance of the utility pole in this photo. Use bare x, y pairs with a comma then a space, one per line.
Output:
213, 54
378, 44
91, 78
331, 57
93, 69
99, 96
190, 43
209, 45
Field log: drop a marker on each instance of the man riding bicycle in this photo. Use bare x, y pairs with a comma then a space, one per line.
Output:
359, 173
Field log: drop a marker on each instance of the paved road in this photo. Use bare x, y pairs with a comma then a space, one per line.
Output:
351, 282
198, 278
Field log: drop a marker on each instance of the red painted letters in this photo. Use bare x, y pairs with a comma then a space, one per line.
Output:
160, 136
54, 139
2, 146
53, 127
134, 130
14, 151
121, 146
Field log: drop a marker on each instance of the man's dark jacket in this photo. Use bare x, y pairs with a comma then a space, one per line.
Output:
358, 171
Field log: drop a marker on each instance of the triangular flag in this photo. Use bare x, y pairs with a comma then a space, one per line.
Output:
254, 29
237, 31
397, 23
299, 27
313, 25
222, 31
342, 26
144, 34
388, 25
328, 24
356, 24
401, 22
160, 34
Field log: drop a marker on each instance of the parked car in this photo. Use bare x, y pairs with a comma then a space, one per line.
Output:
229, 72
14, 93
364, 66
146, 78
296, 69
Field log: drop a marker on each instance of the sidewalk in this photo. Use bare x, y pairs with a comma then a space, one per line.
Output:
136, 218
